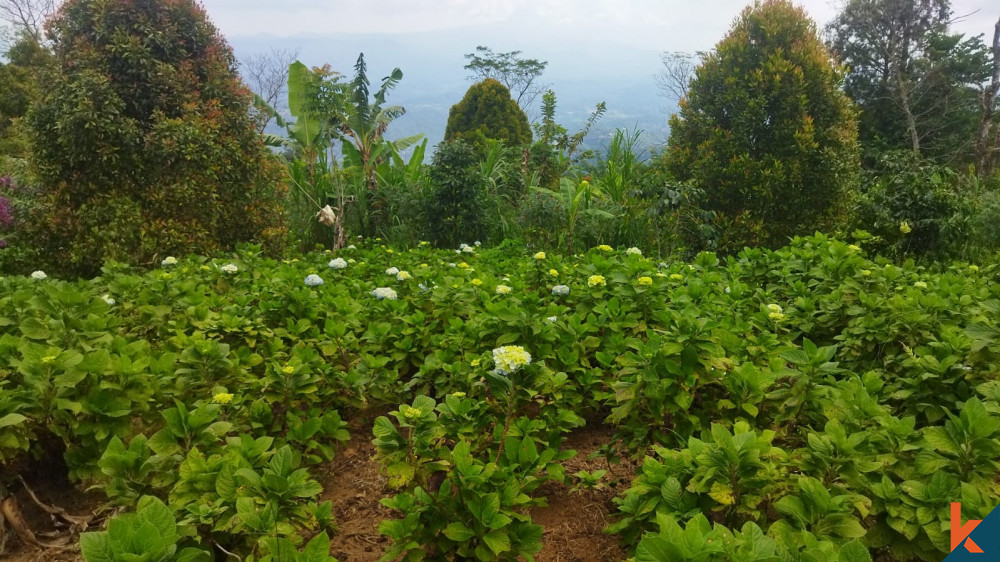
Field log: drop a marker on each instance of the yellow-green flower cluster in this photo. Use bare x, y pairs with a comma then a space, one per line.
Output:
645, 281
554, 273
540, 256
477, 281
605, 248
775, 313
509, 358
676, 276
920, 285
222, 398
596, 281
904, 227
409, 412
503, 290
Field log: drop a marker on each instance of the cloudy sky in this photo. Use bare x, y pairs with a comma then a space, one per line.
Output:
656, 24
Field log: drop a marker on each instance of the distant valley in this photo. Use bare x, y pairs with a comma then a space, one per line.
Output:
434, 78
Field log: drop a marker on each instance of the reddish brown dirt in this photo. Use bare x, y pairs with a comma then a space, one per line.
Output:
355, 485
574, 521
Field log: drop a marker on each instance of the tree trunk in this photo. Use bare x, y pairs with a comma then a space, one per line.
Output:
987, 148
904, 103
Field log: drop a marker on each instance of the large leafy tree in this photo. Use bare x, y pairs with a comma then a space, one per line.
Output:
520, 75
917, 85
143, 142
488, 110
765, 131
19, 87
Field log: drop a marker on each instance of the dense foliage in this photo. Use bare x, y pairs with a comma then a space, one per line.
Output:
765, 130
487, 111
142, 143
812, 400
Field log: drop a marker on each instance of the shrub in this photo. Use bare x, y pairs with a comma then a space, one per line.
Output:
143, 143
765, 129
455, 212
914, 207
487, 110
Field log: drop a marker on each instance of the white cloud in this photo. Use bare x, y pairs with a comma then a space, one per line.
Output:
656, 24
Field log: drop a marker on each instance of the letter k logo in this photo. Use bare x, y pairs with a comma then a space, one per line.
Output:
959, 534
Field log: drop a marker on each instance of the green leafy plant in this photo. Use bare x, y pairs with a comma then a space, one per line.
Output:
148, 535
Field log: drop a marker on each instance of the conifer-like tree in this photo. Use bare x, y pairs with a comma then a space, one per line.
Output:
488, 109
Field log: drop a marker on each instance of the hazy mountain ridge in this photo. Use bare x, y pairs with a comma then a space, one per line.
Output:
434, 78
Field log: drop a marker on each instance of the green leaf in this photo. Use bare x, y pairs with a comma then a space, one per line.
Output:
854, 551
400, 474
96, 547
458, 532
32, 328
11, 419
498, 541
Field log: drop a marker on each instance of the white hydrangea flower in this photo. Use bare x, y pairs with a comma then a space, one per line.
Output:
313, 280
39, 275
552, 319
169, 260
384, 293
478, 243
392, 271
352, 247
509, 358
503, 290
633, 251
109, 300
229, 268
560, 290
338, 263
469, 250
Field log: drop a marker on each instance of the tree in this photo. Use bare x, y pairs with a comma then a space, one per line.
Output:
27, 16
266, 74
765, 130
142, 143
18, 89
455, 207
488, 110
520, 76
552, 154
916, 84
365, 122
675, 76
988, 139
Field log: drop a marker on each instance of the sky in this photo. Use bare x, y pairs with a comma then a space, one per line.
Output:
652, 24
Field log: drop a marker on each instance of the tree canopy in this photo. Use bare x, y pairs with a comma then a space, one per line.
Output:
488, 109
519, 75
765, 130
143, 143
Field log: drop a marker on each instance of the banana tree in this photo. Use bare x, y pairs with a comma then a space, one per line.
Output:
576, 199
365, 122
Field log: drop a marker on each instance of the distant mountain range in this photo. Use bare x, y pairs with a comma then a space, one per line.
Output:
434, 79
